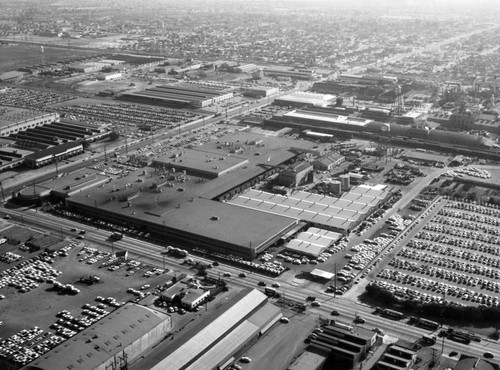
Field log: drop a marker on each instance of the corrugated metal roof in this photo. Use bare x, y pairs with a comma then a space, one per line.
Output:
212, 332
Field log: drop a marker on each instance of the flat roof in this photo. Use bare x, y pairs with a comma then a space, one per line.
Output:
98, 343
307, 361
213, 331
200, 160
322, 274
248, 229
79, 179
328, 118
306, 98
424, 156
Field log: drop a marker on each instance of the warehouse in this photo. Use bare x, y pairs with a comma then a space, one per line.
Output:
301, 99
14, 120
299, 75
232, 329
217, 226
50, 155
337, 214
118, 338
428, 159
178, 96
260, 91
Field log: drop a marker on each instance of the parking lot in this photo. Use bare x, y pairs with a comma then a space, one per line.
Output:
32, 99
73, 285
454, 256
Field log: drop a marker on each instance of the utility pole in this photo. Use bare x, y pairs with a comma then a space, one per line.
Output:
57, 168
3, 195
105, 154
34, 197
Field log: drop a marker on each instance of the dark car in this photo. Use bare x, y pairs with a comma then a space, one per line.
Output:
359, 320
262, 283
335, 313
488, 355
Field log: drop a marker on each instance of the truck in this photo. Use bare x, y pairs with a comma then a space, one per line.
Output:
341, 325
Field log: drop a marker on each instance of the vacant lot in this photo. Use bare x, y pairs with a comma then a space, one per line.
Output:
16, 56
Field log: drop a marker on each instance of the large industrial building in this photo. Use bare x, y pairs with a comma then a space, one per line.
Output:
219, 227
14, 120
301, 99
178, 96
246, 317
336, 214
200, 163
111, 343
292, 74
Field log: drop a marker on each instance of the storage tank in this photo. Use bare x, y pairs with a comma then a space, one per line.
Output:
345, 181
335, 187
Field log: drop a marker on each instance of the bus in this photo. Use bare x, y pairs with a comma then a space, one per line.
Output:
427, 324
459, 338
395, 315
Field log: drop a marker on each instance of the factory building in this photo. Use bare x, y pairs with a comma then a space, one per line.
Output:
328, 162
330, 213
200, 163
14, 120
245, 68
52, 154
219, 227
298, 75
295, 174
109, 344
301, 99
178, 96
260, 91
109, 76
234, 327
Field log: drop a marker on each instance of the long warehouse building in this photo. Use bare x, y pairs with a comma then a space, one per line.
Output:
178, 96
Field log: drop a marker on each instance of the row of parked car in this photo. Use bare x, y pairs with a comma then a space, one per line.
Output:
439, 287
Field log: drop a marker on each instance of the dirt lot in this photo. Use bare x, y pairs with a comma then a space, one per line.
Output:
13, 57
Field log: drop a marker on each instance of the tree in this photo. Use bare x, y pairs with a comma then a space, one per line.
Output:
114, 136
